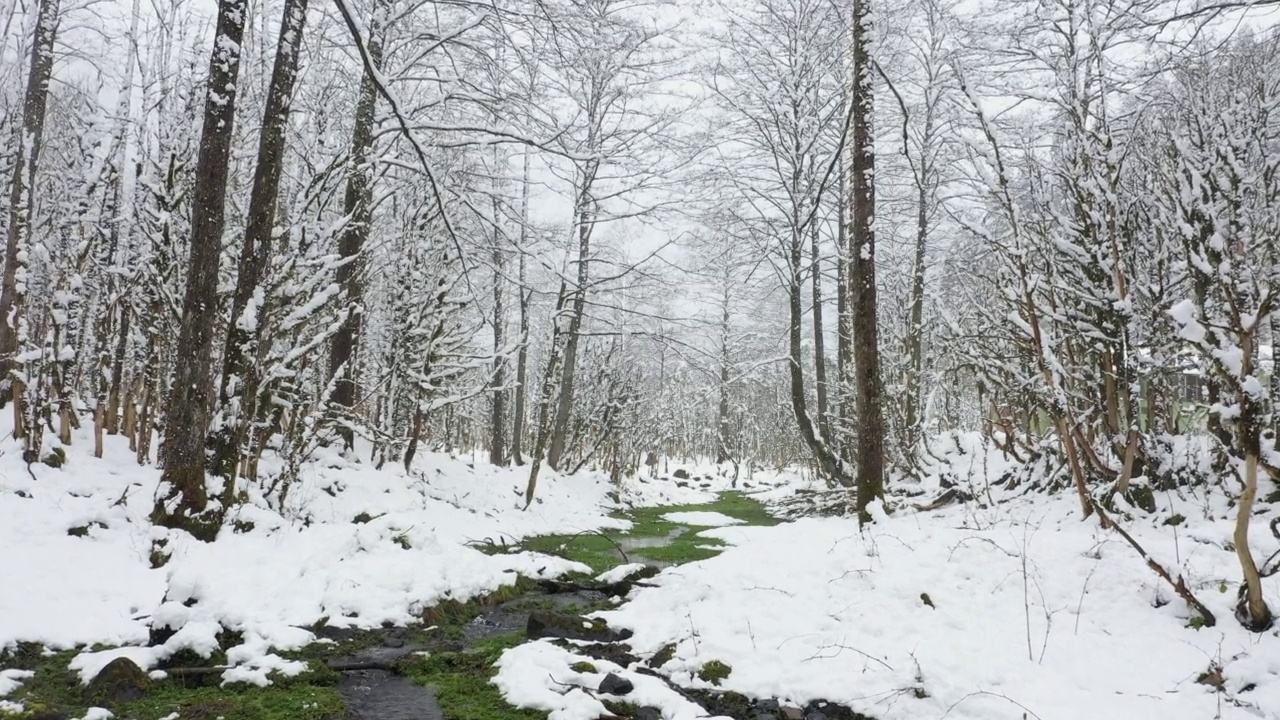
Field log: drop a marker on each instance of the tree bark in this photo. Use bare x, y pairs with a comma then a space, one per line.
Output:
863, 279
545, 398
241, 377
564, 404
182, 500
13, 285
357, 206
819, 336
498, 416
915, 320
722, 445
522, 359
844, 325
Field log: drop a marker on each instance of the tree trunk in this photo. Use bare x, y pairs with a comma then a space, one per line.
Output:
357, 204
844, 326
13, 286
830, 464
498, 417
863, 279
522, 360
722, 448
915, 321
241, 376
545, 398
182, 500
819, 339
564, 405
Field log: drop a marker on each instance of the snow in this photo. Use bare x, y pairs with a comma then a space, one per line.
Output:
1002, 609
613, 575
1035, 611
701, 518
1031, 611
11, 680
539, 676
307, 561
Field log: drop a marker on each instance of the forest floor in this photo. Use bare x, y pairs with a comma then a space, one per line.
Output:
434, 595
399, 579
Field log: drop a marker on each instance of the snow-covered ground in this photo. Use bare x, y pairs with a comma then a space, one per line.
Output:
1017, 610
311, 560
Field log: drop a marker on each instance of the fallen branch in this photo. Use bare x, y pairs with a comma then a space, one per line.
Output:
1179, 586
612, 542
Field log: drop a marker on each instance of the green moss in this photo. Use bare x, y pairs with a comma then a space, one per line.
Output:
621, 709
57, 691
461, 681
282, 701
664, 655
1175, 520
53, 687
56, 458
679, 553
1141, 495
714, 672
582, 666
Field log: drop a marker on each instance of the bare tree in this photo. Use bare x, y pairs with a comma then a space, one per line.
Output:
182, 500
13, 285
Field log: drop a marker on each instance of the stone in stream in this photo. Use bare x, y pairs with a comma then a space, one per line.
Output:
616, 685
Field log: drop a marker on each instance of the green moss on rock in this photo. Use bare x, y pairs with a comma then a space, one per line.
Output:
714, 672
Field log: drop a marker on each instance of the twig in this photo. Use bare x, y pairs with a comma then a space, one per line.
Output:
992, 694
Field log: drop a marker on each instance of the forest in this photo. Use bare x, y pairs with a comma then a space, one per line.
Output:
477, 290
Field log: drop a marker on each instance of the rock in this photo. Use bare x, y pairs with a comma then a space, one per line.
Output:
663, 656
616, 685
682, 484
681, 474
815, 716
615, 653
571, 627
768, 705
766, 716
647, 713
121, 681
792, 713
393, 642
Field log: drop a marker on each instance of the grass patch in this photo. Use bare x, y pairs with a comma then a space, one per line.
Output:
601, 553
461, 681
281, 701
55, 691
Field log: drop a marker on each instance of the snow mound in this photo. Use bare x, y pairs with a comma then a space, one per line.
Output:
619, 573
1020, 609
540, 676
355, 545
